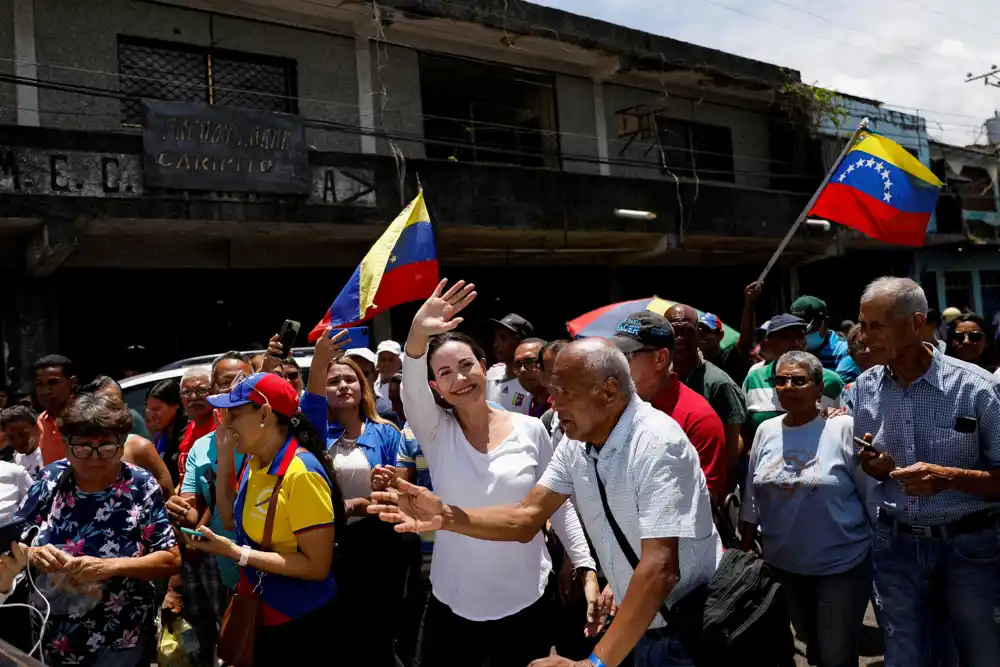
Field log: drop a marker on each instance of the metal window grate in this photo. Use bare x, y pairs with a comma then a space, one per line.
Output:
251, 85
184, 73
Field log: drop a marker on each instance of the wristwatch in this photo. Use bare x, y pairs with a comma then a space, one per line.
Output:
244, 556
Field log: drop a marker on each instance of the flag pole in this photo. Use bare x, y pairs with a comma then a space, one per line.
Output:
862, 126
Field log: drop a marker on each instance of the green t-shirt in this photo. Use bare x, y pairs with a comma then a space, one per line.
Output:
724, 395
762, 397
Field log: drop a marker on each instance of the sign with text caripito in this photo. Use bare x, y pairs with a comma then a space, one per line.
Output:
211, 147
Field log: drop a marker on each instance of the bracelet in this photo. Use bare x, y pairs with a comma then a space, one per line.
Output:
245, 558
595, 661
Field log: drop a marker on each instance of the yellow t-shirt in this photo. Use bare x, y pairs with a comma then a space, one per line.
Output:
304, 503
303, 500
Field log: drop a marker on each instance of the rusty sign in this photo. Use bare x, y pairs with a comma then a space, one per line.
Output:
211, 147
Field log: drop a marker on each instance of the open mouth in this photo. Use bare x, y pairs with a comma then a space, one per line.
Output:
464, 391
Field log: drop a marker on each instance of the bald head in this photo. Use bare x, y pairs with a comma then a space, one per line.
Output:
684, 320
682, 313
590, 388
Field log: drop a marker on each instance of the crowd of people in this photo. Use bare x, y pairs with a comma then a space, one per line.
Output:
416, 506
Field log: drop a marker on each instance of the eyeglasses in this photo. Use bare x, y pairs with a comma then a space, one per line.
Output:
632, 355
294, 375
526, 364
969, 337
794, 380
197, 392
103, 451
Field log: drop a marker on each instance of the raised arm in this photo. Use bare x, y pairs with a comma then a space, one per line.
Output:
436, 316
313, 404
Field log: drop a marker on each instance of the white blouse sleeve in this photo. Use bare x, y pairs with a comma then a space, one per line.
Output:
423, 414
565, 521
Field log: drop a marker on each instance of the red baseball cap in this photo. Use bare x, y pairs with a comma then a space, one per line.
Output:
260, 388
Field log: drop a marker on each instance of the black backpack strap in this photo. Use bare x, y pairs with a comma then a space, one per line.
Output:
623, 543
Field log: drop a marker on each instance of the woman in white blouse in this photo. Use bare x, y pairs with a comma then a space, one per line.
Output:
488, 599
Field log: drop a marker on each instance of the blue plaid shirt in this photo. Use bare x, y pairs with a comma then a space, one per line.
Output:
919, 424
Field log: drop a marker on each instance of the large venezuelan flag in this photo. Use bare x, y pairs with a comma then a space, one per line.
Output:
402, 266
882, 190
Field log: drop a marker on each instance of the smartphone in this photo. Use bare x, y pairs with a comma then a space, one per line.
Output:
359, 336
287, 335
866, 446
193, 533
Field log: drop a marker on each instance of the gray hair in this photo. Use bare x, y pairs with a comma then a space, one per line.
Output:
192, 372
905, 296
805, 360
605, 361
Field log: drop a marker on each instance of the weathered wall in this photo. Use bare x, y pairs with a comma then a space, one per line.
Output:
577, 123
77, 43
749, 132
396, 97
8, 97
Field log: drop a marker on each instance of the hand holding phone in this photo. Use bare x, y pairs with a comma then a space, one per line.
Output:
286, 337
194, 534
874, 461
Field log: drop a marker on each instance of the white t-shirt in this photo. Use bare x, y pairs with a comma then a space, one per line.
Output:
482, 580
506, 391
996, 373
14, 484
655, 489
31, 462
353, 472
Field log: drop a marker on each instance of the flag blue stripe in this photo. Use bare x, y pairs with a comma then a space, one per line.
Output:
415, 244
886, 183
346, 307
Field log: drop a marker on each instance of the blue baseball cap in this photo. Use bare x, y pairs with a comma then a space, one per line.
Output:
260, 389
644, 329
785, 321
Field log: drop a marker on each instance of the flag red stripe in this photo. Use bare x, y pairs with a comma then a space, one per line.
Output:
852, 208
409, 282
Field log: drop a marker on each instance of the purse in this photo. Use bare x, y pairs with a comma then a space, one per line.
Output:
244, 615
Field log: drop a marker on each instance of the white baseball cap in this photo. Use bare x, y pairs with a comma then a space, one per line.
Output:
362, 352
389, 346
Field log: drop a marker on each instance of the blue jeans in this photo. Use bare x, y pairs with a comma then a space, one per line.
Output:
936, 597
661, 650
828, 612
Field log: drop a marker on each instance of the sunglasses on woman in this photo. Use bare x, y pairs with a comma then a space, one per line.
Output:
969, 337
103, 451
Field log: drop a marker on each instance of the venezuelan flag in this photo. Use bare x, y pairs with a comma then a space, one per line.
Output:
402, 266
882, 190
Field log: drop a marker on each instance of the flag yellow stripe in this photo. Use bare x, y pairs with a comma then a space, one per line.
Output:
374, 263
896, 155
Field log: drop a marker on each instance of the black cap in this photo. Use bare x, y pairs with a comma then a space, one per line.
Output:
513, 322
785, 321
644, 329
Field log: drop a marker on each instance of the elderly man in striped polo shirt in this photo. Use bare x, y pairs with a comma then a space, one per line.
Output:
934, 423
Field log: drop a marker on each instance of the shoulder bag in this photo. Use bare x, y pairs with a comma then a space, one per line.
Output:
737, 618
243, 616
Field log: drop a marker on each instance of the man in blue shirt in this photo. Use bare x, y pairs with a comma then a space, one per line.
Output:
936, 427
829, 347
208, 581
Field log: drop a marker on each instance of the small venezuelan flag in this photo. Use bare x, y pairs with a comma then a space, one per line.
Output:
882, 190
402, 266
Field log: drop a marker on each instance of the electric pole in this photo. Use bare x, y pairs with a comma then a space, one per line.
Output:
991, 78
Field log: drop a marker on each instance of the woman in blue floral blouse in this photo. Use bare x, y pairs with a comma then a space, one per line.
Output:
102, 528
